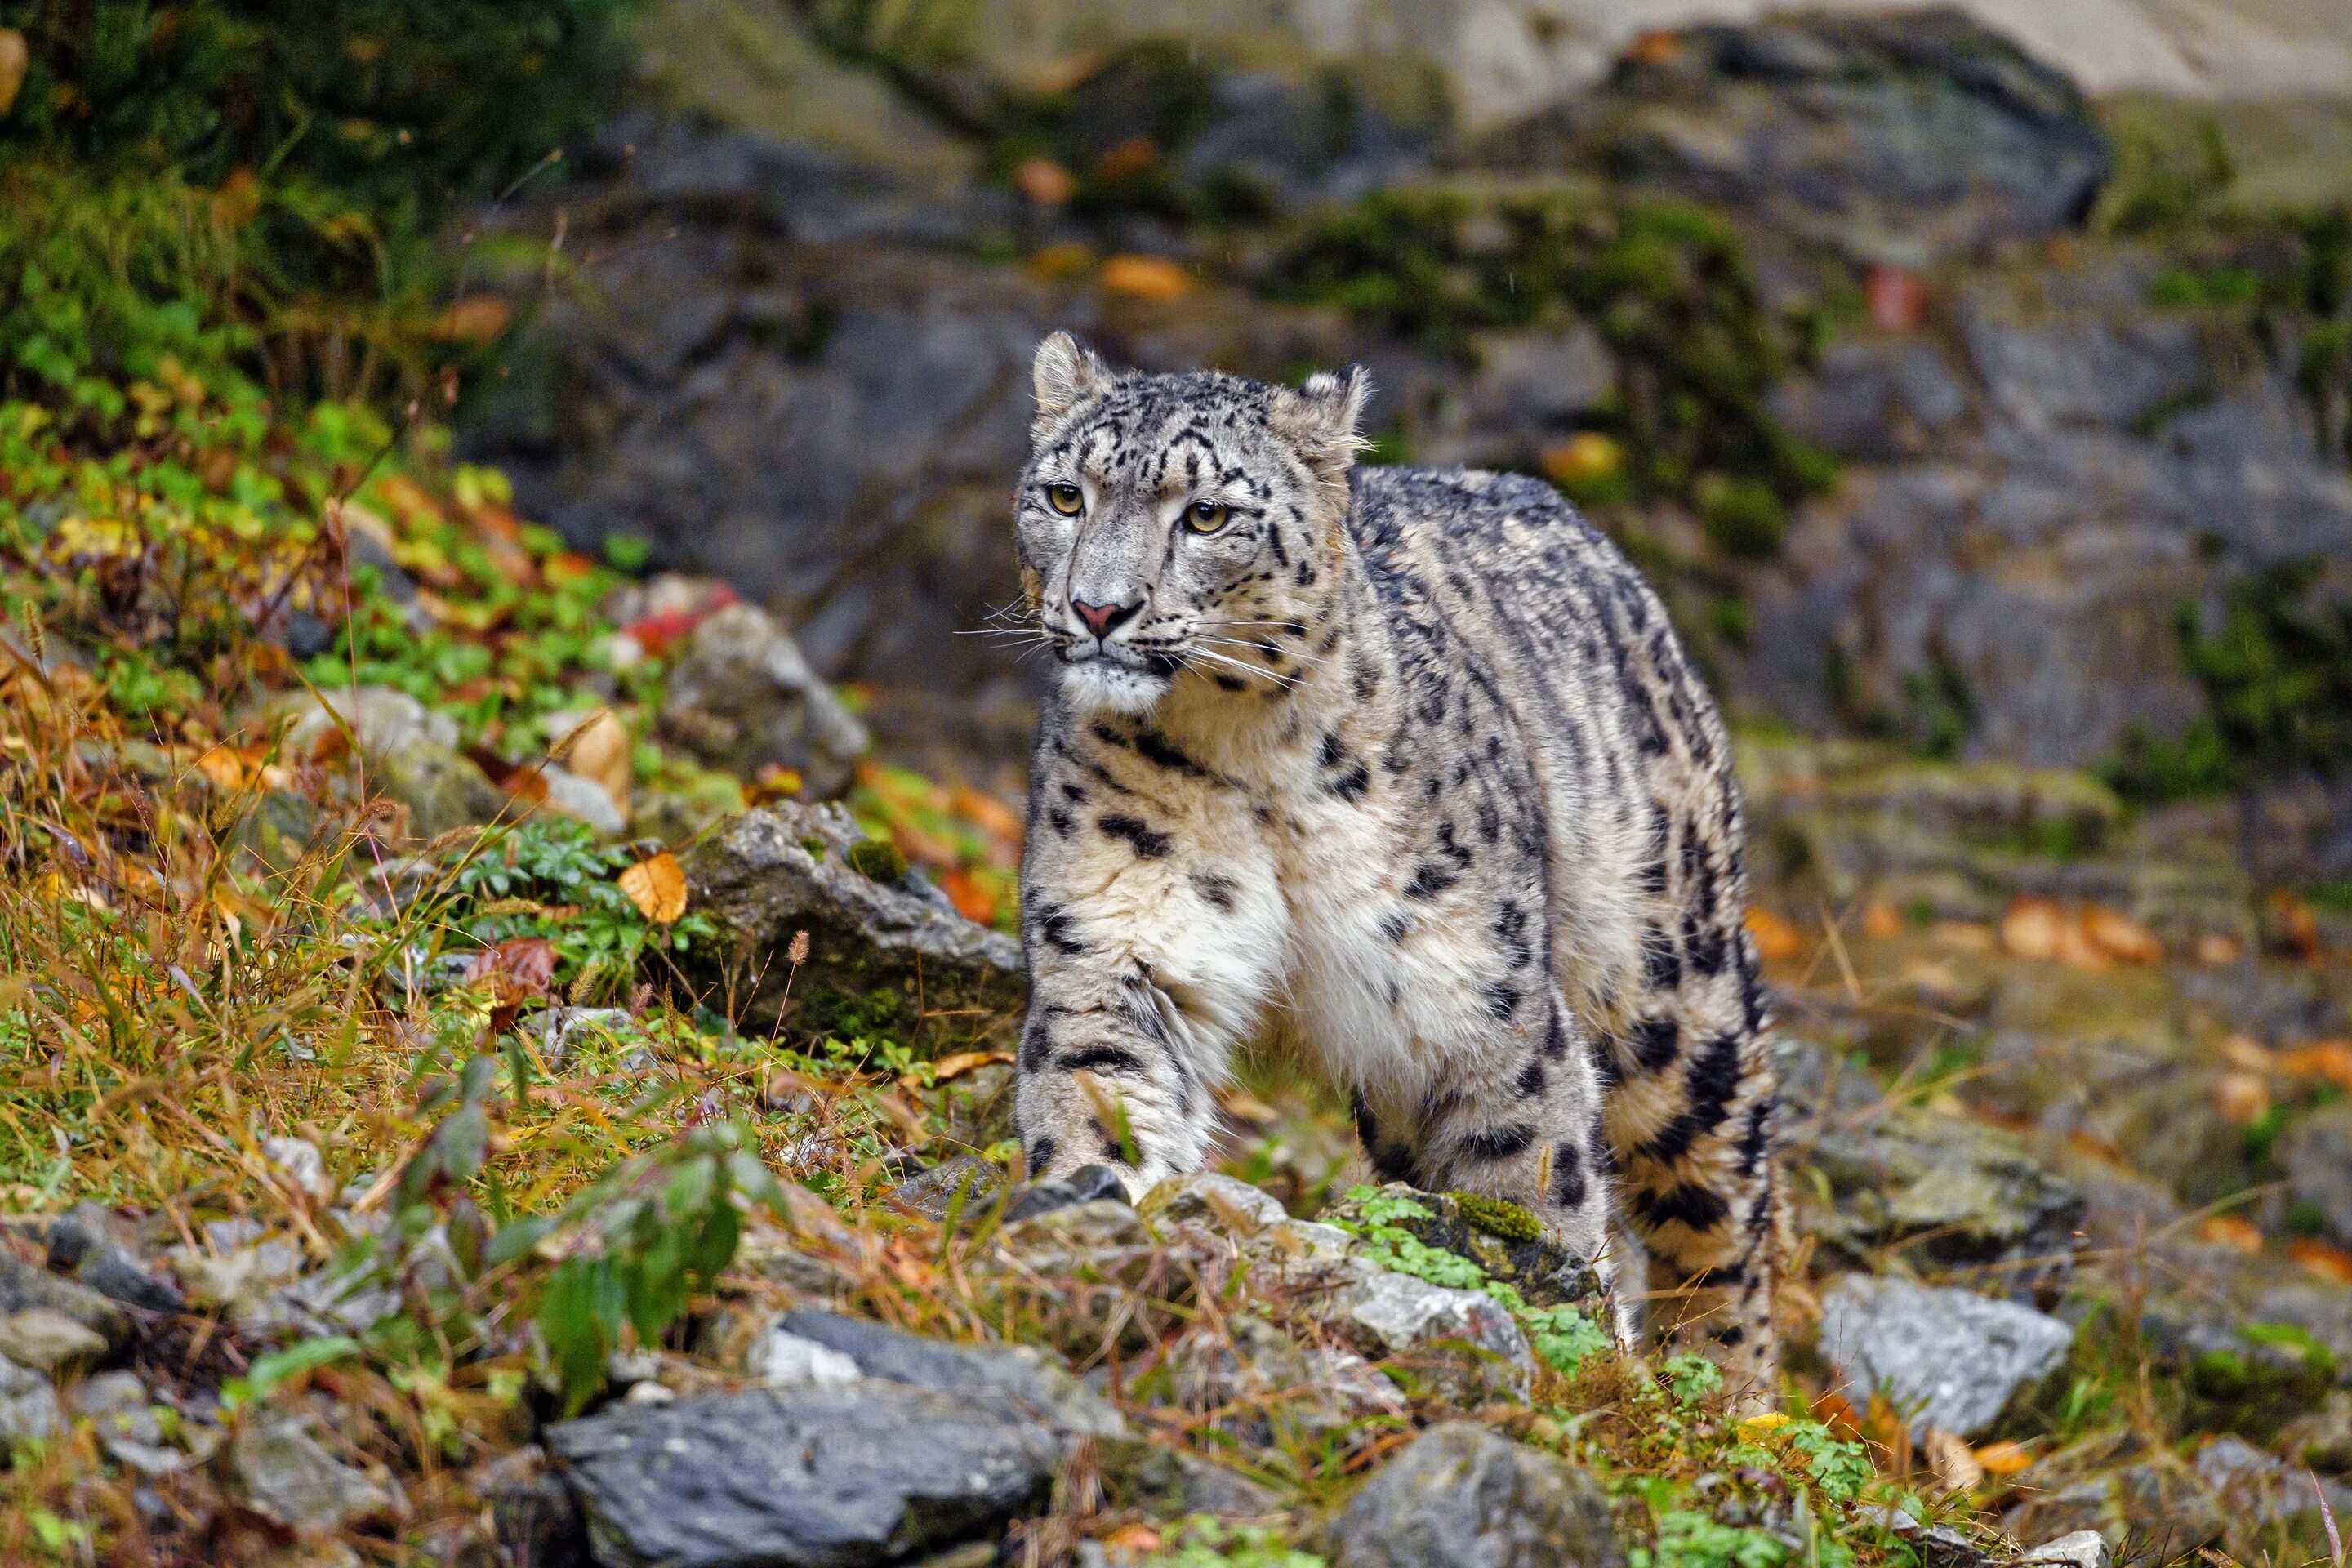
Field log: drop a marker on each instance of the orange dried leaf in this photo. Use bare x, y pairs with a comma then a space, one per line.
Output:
657, 887
2003, 1458
2120, 937
2330, 1059
2234, 1231
1775, 938
962, 1062
2031, 928
1882, 921
974, 901
985, 812
2243, 1099
223, 767
1145, 278
2328, 1262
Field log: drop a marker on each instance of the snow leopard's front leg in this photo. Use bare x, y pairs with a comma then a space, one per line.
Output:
1153, 932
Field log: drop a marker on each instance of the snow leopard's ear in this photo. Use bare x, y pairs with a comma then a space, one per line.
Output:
1066, 372
1321, 418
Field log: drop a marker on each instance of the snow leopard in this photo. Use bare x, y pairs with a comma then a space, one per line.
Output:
1404, 771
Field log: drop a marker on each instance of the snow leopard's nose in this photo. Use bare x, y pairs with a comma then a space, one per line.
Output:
1104, 619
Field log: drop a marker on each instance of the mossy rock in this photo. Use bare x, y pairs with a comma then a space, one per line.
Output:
2274, 1372
1501, 1237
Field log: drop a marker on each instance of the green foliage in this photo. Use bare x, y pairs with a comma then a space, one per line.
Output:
548, 877
1665, 285
1564, 1339
1688, 1540
2277, 678
274, 1368
1841, 1468
1205, 1541
647, 1236
1691, 1378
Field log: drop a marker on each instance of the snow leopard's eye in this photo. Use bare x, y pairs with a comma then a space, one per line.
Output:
1065, 499
1205, 516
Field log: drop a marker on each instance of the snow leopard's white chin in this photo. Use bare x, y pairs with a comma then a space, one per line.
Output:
1099, 685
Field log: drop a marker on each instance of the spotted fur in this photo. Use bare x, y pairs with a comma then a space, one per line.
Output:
1406, 770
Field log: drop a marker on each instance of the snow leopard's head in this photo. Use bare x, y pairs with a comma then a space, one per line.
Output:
1181, 523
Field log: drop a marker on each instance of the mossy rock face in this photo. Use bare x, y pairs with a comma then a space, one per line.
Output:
1502, 1237
2274, 1372
881, 960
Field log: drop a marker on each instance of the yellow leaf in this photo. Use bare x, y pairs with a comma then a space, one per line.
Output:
657, 887
962, 1062
1145, 278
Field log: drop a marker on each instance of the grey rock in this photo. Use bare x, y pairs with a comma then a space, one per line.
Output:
1899, 140
2317, 1154
87, 1243
1212, 1199
28, 1404
381, 718
24, 1286
584, 800
1086, 1184
2121, 1488
298, 1161
1259, 1385
1944, 1357
1042, 1386
1463, 1497
1959, 1192
1873, 399
1171, 1482
533, 1513
2256, 1490
1461, 1346
47, 1341
288, 1476
931, 1192
784, 1360
127, 1424
559, 1028
825, 1477
743, 696
2082, 1549
783, 869
442, 790
2080, 369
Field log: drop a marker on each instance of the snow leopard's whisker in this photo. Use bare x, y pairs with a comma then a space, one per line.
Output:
1273, 675
1261, 647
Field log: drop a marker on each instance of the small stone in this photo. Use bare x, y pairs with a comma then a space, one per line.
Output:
1947, 1358
1463, 1497
2082, 1549
28, 1404
933, 1192
299, 1159
1086, 1184
781, 1360
290, 1477
584, 800
23, 1286
1460, 1346
47, 1341
84, 1243
1218, 1200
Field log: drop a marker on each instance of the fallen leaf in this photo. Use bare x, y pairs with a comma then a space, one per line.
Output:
1145, 278
2330, 1059
657, 887
1583, 459
2245, 1052
518, 969
1044, 182
2216, 949
2328, 1262
2242, 1098
2121, 937
476, 318
1966, 935
962, 1062
1129, 158
15, 58
1776, 939
2234, 1231
973, 901
223, 767
1054, 262
2030, 927
2290, 925
1133, 1540
1895, 296
1243, 1106
1952, 1461
986, 813
1882, 921
774, 783
2004, 1458
1655, 48
599, 752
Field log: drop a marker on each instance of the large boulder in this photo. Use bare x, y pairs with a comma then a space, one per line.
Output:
741, 696
810, 1477
876, 947
1463, 1497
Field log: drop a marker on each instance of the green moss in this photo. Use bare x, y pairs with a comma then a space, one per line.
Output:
1498, 1217
878, 860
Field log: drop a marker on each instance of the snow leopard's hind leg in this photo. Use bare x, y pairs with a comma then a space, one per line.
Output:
1523, 1123
1692, 1105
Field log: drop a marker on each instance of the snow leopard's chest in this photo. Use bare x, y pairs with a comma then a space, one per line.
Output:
1394, 970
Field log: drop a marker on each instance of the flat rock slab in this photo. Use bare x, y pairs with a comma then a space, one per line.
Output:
1944, 1357
812, 1477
